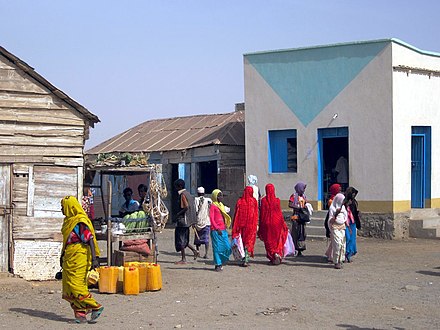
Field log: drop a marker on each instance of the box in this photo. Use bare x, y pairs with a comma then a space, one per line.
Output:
119, 257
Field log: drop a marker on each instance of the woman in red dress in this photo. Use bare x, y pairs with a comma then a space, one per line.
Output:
245, 222
273, 229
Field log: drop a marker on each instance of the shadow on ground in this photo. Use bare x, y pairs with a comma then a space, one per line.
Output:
41, 314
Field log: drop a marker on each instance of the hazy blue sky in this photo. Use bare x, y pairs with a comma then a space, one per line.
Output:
132, 61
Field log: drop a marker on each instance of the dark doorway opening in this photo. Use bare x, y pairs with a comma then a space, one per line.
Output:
207, 177
333, 144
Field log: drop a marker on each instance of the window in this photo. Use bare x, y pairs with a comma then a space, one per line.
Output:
282, 151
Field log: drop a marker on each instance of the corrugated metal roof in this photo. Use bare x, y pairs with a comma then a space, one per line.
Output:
177, 134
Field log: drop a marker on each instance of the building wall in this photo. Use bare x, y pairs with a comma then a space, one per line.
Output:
416, 102
361, 98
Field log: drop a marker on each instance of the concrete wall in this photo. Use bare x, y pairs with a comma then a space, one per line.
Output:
362, 103
416, 102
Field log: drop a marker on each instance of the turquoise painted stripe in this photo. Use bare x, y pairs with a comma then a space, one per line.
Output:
307, 80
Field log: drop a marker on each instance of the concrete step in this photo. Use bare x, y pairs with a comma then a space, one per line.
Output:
425, 228
418, 214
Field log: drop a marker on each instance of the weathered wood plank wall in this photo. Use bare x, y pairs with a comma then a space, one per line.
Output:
43, 137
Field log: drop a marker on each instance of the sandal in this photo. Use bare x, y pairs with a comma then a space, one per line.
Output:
196, 255
97, 313
80, 317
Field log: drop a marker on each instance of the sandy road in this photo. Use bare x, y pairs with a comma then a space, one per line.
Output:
390, 285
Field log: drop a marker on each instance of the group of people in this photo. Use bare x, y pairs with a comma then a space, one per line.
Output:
341, 223
209, 218
253, 217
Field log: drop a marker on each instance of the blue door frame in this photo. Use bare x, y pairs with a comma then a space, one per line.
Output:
326, 133
420, 166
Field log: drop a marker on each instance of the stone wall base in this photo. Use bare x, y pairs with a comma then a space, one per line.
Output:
386, 226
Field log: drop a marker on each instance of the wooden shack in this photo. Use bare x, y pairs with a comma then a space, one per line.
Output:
42, 135
204, 150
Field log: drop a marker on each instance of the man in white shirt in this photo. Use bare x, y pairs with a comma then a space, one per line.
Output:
203, 224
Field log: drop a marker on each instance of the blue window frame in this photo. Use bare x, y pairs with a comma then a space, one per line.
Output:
282, 152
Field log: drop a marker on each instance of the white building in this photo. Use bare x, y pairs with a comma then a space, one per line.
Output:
376, 102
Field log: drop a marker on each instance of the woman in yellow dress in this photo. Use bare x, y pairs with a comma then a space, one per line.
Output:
78, 256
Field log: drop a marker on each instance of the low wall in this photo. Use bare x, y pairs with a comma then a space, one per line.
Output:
386, 226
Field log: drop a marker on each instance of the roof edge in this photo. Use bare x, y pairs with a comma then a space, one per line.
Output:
398, 41
93, 119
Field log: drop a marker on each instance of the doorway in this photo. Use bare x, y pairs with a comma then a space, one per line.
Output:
5, 214
333, 146
420, 166
207, 176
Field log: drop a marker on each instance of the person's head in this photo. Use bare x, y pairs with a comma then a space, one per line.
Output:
200, 191
252, 180
300, 188
270, 191
71, 207
350, 193
217, 195
338, 200
86, 190
128, 193
248, 192
142, 190
335, 189
179, 184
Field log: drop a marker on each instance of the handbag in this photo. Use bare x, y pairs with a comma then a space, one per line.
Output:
289, 247
303, 216
237, 248
59, 275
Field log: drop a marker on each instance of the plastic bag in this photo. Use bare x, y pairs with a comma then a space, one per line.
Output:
289, 247
237, 248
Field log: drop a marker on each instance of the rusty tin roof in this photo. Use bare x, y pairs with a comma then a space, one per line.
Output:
177, 134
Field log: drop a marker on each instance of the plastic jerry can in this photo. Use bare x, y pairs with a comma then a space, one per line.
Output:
131, 280
142, 277
154, 278
120, 283
108, 279
131, 263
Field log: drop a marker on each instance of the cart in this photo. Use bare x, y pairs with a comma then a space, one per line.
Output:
155, 212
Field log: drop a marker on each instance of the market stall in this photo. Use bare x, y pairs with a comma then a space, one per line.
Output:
139, 226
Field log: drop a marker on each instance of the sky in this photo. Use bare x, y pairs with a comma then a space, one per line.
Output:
132, 61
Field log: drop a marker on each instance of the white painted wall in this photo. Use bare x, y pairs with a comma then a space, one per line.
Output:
416, 102
364, 106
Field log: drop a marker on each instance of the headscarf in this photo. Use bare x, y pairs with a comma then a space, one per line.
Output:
74, 215
221, 207
246, 219
300, 189
350, 194
334, 190
252, 180
273, 229
338, 203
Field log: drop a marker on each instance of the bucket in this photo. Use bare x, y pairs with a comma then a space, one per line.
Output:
108, 279
154, 277
131, 280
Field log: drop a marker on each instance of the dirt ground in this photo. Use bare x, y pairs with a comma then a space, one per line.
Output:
390, 285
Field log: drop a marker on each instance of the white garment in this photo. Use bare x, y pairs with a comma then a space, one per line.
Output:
342, 169
338, 244
338, 210
202, 205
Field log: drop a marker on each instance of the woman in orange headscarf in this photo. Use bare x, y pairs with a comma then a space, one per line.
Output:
273, 229
78, 256
245, 222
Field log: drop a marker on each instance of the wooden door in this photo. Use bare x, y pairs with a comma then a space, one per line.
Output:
5, 210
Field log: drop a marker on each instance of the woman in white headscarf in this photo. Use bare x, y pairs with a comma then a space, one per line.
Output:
337, 219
